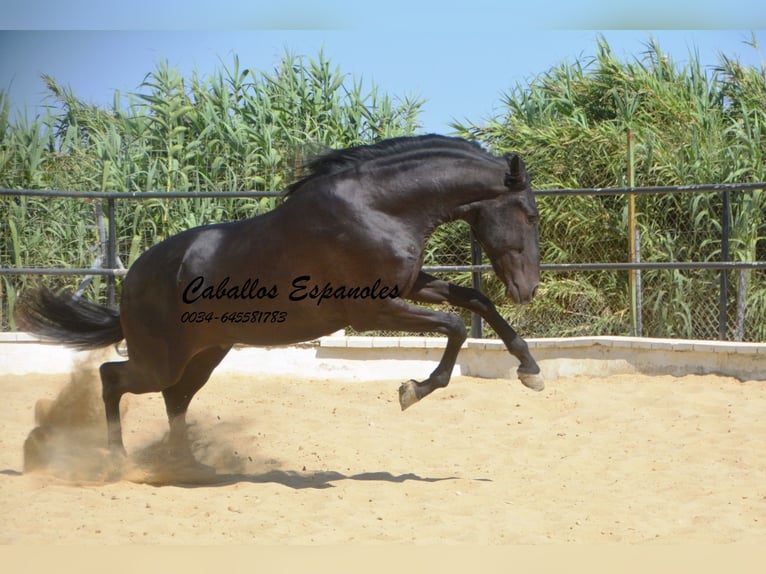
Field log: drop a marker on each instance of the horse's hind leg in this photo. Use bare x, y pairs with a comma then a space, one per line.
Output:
131, 376
178, 396
115, 382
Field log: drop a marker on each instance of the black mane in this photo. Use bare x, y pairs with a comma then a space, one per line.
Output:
336, 161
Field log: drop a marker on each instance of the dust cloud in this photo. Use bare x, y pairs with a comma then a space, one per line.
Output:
68, 441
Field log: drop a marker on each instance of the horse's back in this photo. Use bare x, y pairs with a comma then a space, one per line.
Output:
259, 281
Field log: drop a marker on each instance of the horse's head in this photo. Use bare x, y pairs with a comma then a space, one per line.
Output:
507, 228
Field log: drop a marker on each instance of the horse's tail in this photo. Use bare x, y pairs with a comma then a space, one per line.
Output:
69, 320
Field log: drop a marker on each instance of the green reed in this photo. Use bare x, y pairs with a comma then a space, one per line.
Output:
691, 125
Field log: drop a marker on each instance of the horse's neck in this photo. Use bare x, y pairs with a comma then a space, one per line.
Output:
443, 187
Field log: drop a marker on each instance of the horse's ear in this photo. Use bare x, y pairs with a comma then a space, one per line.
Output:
516, 178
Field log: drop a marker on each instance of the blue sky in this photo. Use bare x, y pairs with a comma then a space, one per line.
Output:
460, 59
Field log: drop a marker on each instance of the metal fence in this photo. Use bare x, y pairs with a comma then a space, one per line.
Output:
96, 237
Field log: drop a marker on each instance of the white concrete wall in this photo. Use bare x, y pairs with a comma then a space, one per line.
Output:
366, 358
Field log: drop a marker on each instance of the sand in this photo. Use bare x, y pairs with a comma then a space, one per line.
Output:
625, 459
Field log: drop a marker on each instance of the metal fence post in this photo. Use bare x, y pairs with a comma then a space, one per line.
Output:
634, 275
724, 295
476, 326
111, 253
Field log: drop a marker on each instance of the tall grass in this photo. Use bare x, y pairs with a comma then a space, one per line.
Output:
691, 125
241, 129
238, 129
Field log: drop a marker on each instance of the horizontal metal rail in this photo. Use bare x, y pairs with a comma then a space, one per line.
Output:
681, 265
59, 271
555, 267
597, 191
699, 188
138, 194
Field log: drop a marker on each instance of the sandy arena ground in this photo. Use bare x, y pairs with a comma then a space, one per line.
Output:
628, 459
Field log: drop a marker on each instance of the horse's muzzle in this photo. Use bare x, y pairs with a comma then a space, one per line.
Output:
520, 294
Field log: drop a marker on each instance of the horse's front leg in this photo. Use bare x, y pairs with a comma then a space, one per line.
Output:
401, 316
429, 289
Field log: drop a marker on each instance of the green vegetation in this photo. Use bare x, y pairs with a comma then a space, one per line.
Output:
238, 130
690, 126
246, 130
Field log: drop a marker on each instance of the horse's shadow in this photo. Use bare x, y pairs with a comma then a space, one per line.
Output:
297, 480
162, 464
209, 478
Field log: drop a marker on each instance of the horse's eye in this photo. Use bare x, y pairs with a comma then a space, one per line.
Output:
533, 219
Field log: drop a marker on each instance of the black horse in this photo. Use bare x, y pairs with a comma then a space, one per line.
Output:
344, 249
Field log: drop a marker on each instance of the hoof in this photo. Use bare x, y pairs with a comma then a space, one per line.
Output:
532, 381
408, 395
